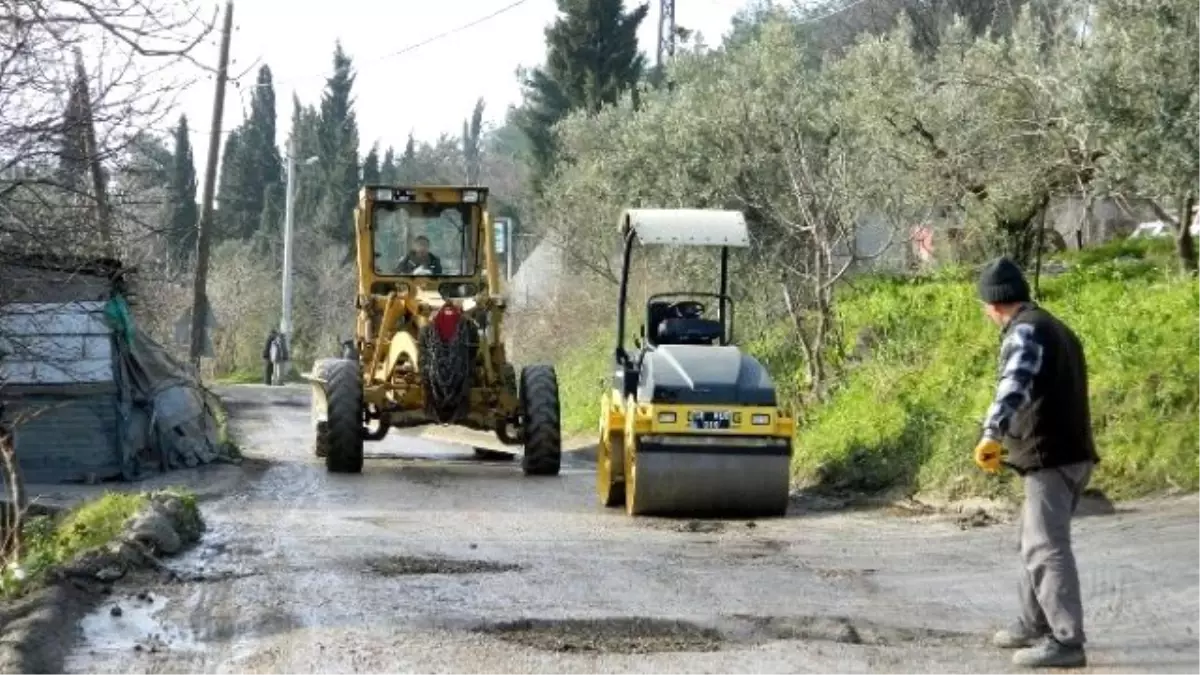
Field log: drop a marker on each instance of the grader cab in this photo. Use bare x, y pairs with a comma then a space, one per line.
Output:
428, 347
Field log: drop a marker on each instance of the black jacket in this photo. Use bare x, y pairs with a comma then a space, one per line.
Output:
1054, 426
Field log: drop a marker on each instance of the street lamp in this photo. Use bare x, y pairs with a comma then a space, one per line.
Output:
285, 323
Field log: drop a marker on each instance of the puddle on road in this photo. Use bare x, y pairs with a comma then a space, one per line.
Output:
219, 556
133, 624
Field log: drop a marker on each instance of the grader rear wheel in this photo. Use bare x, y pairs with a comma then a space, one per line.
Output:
541, 414
344, 429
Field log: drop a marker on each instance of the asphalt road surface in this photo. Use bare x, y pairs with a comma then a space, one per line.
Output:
432, 562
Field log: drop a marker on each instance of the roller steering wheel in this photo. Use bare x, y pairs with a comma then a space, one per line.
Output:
688, 309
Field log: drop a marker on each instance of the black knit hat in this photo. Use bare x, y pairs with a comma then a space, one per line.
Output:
1002, 282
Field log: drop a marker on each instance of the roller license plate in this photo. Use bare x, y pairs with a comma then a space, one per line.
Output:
708, 419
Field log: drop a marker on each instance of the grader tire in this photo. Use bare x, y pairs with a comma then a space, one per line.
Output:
542, 418
344, 428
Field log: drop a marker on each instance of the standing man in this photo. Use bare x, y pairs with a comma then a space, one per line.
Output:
280, 357
267, 360
272, 355
1041, 416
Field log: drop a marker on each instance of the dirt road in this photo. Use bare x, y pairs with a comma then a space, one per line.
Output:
435, 566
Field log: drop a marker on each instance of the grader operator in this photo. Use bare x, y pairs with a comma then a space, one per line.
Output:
428, 347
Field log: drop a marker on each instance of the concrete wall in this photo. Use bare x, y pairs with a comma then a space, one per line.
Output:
65, 438
55, 343
539, 276
1105, 220
57, 378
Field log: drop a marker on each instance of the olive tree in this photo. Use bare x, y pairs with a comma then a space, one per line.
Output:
752, 127
1144, 88
990, 128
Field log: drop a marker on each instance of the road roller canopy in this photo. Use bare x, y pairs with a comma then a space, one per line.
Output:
686, 227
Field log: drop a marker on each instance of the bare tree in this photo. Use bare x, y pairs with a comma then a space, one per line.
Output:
81, 81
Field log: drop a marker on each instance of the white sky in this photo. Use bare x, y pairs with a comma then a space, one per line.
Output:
429, 90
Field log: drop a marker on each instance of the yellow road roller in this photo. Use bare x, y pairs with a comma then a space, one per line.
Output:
691, 425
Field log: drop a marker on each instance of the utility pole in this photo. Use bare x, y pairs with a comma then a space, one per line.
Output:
289, 210
666, 33
200, 308
99, 189
289, 236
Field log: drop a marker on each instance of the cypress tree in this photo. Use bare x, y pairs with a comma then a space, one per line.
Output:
387, 168
181, 230
471, 147
370, 167
231, 196
592, 58
338, 133
262, 166
72, 150
406, 170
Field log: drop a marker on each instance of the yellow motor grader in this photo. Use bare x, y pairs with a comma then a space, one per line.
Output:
691, 425
428, 347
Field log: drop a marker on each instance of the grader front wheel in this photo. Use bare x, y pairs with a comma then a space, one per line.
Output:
541, 414
344, 426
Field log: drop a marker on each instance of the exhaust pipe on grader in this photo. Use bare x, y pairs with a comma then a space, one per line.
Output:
691, 425
428, 347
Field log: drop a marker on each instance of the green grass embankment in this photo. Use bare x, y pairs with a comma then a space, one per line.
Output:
919, 373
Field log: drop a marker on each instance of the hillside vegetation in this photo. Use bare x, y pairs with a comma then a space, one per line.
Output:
918, 361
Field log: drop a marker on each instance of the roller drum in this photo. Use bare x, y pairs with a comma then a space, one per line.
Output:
680, 477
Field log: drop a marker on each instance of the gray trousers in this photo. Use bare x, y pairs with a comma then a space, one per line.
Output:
1051, 601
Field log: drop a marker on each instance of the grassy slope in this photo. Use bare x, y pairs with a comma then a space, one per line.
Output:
907, 411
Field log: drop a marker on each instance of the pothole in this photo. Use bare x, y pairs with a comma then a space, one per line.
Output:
642, 635
702, 526
976, 518
839, 573
392, 566
840, 629
621, 635
685, 526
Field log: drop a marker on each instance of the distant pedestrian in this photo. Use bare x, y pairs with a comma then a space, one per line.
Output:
271, 356
1041, 417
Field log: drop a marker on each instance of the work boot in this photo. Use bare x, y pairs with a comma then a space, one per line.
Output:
1017, 636
1051, 653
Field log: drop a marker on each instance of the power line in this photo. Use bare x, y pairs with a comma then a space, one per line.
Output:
452, 31
415, 46
401, 52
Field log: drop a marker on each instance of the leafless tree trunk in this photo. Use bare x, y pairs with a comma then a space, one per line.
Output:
1184, 244
14, 490
815, 240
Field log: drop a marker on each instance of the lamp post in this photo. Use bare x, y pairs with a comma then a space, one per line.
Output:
289, 210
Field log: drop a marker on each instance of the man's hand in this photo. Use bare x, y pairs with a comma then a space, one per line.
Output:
987, 455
